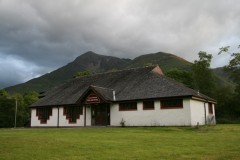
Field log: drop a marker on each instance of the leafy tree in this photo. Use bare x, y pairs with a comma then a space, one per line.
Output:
7, 112
29, 98
233, 66
223, 109
3, 93
182, 76
147, 64
20, 109
81, 74
7, 108
203, 75
232, 106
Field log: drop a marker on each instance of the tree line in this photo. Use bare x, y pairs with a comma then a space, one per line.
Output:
8, 110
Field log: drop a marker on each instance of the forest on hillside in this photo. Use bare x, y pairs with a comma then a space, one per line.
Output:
200, 77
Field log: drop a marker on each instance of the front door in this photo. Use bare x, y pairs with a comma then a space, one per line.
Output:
100, 114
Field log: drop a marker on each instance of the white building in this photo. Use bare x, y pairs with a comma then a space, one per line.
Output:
134, 97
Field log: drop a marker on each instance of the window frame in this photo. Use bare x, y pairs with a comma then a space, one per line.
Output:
121, 106
148, 108
178, 106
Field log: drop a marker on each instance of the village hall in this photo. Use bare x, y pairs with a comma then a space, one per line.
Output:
132, 97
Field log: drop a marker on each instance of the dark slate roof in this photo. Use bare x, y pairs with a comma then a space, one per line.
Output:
106, 93
132, 84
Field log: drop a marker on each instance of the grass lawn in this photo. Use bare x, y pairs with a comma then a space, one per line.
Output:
209, 142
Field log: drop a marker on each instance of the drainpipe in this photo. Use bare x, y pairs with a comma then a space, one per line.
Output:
106, 114
205, 117
15, 122
58, 118
85, 115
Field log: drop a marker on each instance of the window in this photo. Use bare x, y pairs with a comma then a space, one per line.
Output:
210, 108
129, 106
148, 105
171, 103
43, 114
72, 113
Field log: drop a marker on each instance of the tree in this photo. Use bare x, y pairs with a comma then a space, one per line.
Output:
233, 68
3, 93
182, 76
20, 109
147, 64
203, 75
29, 98
7, 108
223, 108
81, 74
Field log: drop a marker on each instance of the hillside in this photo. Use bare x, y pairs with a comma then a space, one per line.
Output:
89, 61
222, 77
96, 63
165, 60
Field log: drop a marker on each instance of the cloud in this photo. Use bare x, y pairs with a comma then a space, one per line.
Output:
49, 34
14, 70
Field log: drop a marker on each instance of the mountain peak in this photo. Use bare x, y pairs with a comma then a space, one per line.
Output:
89, 53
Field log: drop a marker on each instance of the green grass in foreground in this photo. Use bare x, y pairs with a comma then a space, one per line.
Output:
209, 142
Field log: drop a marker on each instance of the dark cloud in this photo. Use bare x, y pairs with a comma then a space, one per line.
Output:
48, 34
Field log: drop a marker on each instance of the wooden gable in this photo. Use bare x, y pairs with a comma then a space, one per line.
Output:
92, 98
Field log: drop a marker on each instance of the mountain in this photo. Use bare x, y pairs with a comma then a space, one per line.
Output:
89, 61
96, 63
165, 60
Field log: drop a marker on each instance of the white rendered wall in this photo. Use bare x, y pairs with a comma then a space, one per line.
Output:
191, 114
197, 112
88, 117
52, 122
156, 117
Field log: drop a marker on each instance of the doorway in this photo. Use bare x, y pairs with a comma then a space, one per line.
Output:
100, 114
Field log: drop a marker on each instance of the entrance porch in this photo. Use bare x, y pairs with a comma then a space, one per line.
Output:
100, 114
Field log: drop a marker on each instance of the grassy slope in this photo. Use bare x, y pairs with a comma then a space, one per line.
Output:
214, 142
223, 77
165, 60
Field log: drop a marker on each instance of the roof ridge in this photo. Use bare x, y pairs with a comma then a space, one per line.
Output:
100, 87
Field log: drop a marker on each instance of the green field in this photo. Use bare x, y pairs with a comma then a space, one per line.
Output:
209, 142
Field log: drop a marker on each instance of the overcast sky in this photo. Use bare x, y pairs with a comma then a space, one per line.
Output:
37, 37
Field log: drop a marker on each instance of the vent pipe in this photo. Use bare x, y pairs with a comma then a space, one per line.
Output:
114, 97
